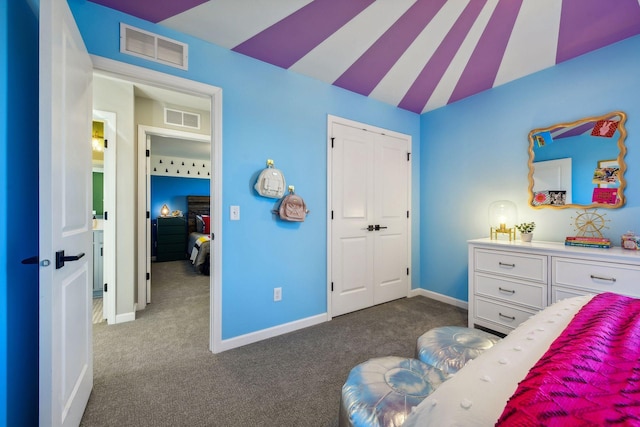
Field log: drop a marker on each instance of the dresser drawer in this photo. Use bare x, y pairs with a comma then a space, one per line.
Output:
558, 293
597, 277
512, 264
502, 314
511, 290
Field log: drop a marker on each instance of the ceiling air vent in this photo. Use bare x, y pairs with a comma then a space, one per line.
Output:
181, 118
137, 42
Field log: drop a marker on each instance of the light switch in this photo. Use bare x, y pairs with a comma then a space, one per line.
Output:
234, 213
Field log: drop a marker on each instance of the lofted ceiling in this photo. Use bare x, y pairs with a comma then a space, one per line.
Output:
418, 55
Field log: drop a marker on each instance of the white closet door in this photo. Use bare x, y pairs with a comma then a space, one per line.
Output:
370, 226
390, 212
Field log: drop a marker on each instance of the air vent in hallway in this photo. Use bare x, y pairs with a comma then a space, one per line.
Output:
153, 47
181, 118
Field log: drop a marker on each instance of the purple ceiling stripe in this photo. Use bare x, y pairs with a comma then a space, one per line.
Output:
482, 68
151, 10
421, 90
578, 130
365, 74
585, 25
285, 42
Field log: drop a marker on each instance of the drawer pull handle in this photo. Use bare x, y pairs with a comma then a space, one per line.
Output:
608, 279
511, 291
504, 264
507, 317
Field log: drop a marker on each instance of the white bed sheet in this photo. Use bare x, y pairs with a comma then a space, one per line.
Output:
478, 393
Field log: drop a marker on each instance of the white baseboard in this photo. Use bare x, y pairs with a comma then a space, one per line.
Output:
252, 337
125, 317
264, 334
439, 297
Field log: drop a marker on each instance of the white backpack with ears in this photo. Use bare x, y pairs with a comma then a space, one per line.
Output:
270, 182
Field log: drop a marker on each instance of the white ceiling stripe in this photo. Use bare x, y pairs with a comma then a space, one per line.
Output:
210, 21
445, 88
331, 58
533, 43
399, 79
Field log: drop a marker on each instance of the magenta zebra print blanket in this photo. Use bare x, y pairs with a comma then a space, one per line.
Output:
590, 376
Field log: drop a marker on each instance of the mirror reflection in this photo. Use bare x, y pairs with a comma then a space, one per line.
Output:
578, 164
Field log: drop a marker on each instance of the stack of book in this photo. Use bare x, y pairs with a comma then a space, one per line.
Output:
588, 242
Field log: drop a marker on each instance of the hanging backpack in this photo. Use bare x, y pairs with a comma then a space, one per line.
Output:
292, 207
270, 182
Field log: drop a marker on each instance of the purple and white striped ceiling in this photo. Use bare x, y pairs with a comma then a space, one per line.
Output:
418, 55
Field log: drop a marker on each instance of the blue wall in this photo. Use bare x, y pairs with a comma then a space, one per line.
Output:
4, 61
174, 191
272, 113
19, 219
483, 142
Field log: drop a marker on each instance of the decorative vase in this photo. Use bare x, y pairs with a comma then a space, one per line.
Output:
526, 237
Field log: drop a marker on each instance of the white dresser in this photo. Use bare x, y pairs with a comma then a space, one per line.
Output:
510, 281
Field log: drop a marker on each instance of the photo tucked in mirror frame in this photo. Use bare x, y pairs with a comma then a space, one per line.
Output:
578, 164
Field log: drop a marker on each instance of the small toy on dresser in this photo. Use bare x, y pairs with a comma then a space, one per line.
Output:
630, 240
588, 242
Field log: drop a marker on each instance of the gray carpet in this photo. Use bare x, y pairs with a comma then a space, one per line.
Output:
157, 371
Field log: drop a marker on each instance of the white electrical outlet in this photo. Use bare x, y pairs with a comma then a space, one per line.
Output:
277, 294
234, 213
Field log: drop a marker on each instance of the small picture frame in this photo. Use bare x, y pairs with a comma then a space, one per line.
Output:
606, 174
557, 198
541, 198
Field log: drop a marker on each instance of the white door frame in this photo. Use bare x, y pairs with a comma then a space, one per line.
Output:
142, 75
109, 258
331, 120
144, 223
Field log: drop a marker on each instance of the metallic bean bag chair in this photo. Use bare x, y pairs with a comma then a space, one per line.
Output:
382, 391
449, 348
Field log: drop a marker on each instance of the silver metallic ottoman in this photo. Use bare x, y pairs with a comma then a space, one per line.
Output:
449, 348
382, 391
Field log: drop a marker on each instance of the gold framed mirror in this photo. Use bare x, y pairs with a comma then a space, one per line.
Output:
579, 164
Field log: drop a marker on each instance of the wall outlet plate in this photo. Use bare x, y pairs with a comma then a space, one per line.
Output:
277, 294
234, 213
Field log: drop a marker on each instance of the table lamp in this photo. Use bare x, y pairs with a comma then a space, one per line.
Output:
503, 215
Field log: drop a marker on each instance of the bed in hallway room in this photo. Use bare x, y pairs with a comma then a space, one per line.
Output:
199, 232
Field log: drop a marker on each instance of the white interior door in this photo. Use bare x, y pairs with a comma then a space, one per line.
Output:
65, 221
352, 243
554, 175
391, 214
369, 229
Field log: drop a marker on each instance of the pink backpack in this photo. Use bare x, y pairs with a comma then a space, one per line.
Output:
292, 207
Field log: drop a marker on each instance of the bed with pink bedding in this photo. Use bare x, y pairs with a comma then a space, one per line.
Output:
576, 363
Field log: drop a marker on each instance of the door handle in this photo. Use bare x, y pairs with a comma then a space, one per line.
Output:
369, 228
61, 259
31, 260
378, 227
